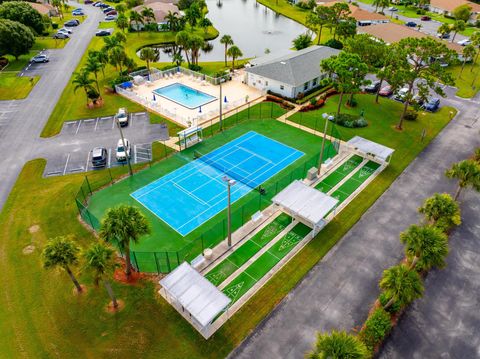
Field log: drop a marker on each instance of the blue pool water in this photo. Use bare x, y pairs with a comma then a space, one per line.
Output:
184, 95
191, 195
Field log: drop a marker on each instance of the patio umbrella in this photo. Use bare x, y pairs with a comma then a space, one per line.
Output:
225, 99
200, 109
154, 98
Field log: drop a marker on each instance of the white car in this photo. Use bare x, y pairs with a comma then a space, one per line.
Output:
65, 30
400, 94
110, 18
122, 117
123, 152
464, 42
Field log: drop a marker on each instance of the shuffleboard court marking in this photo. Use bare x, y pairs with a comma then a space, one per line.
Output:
232, 292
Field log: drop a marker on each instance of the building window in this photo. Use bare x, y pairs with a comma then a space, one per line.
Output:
282, 87
266, 83
314, 82
259, 81
305, 87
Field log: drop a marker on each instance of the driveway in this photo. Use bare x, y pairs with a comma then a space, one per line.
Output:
339, 290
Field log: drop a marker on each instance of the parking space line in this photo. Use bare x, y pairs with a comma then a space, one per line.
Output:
70, 122
130, 120
96, 123
109, 157
79, 123
86, 164
66, 164
135, 153
113, 123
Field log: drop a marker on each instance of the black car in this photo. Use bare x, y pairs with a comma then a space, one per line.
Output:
373, 87
72, 23
103, 6
103, 33
108, 9
432, 105
411, 24
99, 157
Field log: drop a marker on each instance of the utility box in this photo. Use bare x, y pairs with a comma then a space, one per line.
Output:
312, 174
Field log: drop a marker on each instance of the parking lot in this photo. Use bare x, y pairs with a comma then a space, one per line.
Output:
78, 138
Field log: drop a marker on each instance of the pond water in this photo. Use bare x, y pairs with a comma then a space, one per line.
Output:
252, 26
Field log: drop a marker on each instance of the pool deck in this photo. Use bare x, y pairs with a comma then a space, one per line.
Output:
236, 92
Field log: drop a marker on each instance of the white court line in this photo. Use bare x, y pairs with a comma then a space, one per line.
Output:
190, 194
86, 163
66, 164
78, 127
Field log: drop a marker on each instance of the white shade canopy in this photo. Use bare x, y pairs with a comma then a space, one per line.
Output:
195, 294
305, 202
370, 148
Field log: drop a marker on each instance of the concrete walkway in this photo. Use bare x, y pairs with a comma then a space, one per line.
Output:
339, 290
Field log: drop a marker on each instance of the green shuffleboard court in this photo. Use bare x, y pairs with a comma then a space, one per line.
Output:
339, 174
252, 274
352, 184
247, 250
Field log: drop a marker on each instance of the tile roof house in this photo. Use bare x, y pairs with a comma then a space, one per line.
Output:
160, 10
44, 9
289, 74
447, 6
363, 17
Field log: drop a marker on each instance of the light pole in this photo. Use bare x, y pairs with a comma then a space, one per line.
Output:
127, 154
221, 105
230, 183
327, 118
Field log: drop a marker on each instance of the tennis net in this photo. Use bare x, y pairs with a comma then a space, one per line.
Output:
235, 173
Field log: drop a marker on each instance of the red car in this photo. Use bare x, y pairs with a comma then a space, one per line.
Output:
386, 91
425, 18
86, 2
112, 12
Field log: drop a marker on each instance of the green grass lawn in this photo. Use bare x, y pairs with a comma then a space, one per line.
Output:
41, 318
48, 43
13, 87
468, 83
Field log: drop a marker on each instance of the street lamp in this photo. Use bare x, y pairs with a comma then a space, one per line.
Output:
327, 118
222, 80
127, 154
230, 182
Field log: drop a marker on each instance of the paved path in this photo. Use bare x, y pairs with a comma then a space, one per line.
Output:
338, 291
22, 121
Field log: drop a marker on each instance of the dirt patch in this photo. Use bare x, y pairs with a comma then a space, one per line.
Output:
28, 249
34, 229
111, 309
84, 290
134, 278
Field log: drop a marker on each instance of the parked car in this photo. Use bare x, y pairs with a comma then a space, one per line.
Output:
425, 18
386, 91
122, 117
99, 157
72, 23
64, 29
61, 35
464, 42
103, 6
432, 104
110, 18
411, 24
400, 94
108, 9
444, 35
417, 99
392, 8
98, 4
112, 12
88, 2
103, 33
373, 87
78, 12
123, 152
40, 59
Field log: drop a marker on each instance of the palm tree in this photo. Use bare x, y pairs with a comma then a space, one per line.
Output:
234, 52
82, 80
117, 57
380, 3
122, 22
102, 57
338, 345
468, 53
458, 26
173, 21
149, 54
93, 66
467, 173
205, 23
401, 285
137, 19
182, 39
444, 29
195, 44
124, 225
121, 8
148, 14
62, 252
100, 259
475, 39
177, 58
425, 247
441, 211
227, 41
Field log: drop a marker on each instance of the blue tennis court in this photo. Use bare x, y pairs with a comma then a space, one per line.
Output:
194, 193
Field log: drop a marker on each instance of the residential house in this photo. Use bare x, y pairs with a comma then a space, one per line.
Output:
289, 74
160, 11
447, 6
44, 8
363, 17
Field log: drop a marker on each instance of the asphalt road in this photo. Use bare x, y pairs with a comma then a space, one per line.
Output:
339, 290
21, 122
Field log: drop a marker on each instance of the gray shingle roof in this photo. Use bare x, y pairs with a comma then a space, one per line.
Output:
296, 68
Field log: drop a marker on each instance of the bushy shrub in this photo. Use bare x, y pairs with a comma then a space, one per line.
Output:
119, 80
334, 43
313, 105
352, 103
350, 121
377, 326
194, 67
306, 4
411, 115
421, 12
394, 308
54, 25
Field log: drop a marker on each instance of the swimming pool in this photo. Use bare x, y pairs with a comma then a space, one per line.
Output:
184, 95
